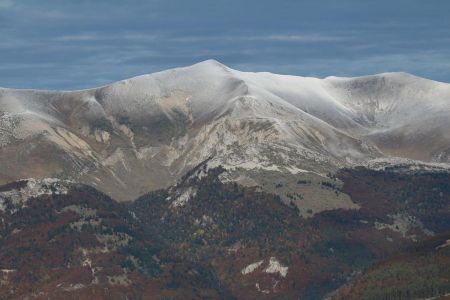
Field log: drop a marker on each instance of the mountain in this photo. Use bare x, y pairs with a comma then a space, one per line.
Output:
208, 238
205, 182
144, 133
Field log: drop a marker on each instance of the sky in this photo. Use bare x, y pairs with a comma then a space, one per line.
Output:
76, 44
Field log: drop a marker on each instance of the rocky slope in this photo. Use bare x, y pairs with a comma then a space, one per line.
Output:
144, 133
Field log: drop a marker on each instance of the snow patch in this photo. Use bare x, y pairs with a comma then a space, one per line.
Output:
251, 267
276, 267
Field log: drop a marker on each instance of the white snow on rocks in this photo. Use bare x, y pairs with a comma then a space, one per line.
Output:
276, 267
272, 267
164, 124
251, 267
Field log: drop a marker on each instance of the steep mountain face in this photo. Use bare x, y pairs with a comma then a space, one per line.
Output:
144, 133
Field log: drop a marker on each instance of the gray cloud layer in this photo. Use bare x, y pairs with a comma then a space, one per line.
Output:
62, 44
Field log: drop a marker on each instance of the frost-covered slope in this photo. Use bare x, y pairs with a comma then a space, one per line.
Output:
144, 133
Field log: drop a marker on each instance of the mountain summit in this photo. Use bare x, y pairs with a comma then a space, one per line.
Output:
145, 133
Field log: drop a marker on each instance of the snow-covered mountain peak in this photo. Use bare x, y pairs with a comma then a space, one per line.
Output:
211, 64
145, 132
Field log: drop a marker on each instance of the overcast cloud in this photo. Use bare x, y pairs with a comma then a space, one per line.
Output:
65, 44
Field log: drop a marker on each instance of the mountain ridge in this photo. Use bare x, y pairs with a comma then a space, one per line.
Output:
172, 120
219, 64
